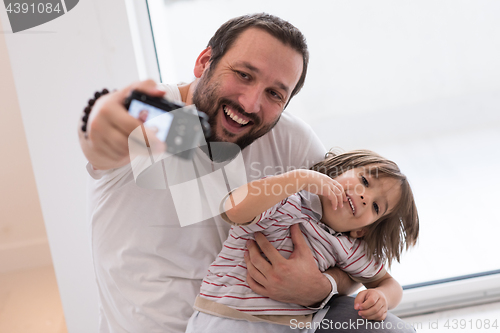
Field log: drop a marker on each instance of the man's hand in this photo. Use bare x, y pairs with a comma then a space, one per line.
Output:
106, 143
295, 280
371, 304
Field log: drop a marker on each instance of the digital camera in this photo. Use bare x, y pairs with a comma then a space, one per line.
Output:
182, 131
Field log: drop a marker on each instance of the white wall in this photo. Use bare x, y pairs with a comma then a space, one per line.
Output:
56, 67
23, 241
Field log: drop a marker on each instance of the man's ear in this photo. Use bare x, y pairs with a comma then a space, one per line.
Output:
358, 233
203, 62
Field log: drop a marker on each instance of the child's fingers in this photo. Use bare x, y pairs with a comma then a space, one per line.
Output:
333, 199
376, 312
335, 194
371, 305
360, 298
370, 311
339, 191
367, 300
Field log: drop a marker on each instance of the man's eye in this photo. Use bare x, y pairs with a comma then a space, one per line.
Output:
243, 75
274, 94
375, 206
365, 181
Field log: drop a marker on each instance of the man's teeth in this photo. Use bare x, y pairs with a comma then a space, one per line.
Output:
235, 117
352, 205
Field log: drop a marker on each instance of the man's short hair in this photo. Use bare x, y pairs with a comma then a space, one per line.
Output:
284, 31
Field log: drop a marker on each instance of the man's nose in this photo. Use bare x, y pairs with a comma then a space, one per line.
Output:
251, 99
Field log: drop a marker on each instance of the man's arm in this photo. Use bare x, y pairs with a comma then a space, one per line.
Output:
294, 280
105, 144
345, 285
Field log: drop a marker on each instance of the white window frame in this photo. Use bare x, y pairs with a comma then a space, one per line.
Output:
143, 39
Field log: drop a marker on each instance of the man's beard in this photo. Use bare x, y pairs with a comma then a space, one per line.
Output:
206, 98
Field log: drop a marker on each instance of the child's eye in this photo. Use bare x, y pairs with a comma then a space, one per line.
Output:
365, 181
375, 206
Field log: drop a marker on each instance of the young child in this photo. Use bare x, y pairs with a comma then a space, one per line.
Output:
356, 211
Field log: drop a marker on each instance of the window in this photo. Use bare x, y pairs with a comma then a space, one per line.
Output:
417, 82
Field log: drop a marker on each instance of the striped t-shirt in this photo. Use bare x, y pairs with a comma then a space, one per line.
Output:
225, 282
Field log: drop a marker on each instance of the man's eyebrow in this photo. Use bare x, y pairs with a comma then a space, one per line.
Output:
249, 66
282, 86
252, 68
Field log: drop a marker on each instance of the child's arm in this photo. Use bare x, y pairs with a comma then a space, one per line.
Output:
382, 295
248, 201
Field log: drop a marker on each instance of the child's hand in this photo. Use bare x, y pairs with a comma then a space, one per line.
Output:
372, 304
320, 184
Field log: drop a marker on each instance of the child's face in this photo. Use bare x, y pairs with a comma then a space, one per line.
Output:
368, 199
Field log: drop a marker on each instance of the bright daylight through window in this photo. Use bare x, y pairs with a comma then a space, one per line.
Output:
417, 82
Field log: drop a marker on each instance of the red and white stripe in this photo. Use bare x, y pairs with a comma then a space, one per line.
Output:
226, 280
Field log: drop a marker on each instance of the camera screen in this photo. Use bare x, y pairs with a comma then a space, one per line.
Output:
149, 116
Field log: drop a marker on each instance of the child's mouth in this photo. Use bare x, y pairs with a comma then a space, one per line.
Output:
352, 205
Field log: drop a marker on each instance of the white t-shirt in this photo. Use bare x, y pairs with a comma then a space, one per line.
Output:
149, 268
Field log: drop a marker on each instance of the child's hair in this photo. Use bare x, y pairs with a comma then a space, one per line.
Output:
385, 238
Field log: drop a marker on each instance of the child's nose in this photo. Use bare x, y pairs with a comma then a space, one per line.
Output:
364, 203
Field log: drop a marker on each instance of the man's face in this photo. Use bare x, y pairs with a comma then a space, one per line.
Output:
247, 90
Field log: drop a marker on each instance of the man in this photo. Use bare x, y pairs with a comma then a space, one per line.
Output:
148, 268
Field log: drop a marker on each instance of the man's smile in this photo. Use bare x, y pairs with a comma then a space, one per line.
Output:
233, 116
234, 121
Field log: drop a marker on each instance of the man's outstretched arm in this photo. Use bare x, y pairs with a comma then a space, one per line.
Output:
105, 144
294, 280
